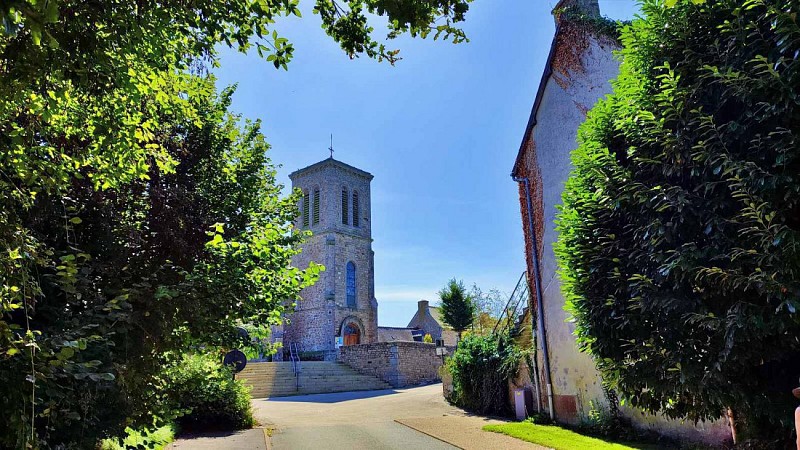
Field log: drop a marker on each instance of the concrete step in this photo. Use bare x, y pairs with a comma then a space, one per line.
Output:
316, 381
322, 388
277, 379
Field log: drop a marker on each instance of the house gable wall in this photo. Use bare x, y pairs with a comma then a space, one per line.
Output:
545, 159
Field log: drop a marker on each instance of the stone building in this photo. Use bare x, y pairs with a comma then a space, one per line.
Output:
576, 76
340, 309
428, 320
398, 334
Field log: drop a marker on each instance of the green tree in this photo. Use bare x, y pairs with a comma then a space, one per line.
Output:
680, 229
489, 306
457, 306
138, 217
141, 290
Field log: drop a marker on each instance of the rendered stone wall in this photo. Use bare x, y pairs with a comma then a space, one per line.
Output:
400, 364
569, 93
547, 165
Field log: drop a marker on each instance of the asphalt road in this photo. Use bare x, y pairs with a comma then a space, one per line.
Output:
353, 420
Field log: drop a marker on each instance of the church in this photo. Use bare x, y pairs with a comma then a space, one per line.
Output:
340, 309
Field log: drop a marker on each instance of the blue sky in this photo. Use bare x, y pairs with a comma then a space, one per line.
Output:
439, 131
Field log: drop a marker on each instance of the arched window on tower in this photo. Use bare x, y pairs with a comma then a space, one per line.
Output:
350, 285
345, 212
306, 204
355, 208
315, 218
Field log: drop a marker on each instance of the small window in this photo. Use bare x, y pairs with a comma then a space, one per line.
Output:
316, 207
345, 212
305, 208
351, 285
355, 208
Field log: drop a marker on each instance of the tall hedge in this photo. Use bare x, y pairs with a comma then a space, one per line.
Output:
680, 226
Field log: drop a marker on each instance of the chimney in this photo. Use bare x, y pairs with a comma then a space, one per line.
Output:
422, 306
589, 7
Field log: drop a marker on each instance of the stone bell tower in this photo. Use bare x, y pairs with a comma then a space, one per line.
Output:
341, 307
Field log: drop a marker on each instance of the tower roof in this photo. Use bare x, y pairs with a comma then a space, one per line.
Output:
330, 162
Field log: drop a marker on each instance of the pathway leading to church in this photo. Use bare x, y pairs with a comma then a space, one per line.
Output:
388, 419
407, 419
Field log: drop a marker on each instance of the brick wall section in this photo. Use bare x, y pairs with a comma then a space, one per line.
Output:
400, 364
530, 169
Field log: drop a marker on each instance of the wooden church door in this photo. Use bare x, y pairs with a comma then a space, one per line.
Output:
352, 336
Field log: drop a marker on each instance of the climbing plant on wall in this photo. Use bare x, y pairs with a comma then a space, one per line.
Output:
680, 227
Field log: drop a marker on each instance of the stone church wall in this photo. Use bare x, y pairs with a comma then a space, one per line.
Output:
322, 311
353, 248
311, 324
400, 364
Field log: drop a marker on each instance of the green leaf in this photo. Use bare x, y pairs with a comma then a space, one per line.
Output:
66, 353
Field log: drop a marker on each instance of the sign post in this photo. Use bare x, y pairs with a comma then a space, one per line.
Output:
236, 360
441, 350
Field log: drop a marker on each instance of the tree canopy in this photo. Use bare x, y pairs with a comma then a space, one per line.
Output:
140, 218
680, 227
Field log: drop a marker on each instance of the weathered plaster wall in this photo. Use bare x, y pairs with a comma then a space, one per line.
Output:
563, 107
398, 363
577, 82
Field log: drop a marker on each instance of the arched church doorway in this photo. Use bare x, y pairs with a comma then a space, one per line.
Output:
352, 335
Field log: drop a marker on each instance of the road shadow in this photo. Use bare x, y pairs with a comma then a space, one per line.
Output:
253, 438
335, 397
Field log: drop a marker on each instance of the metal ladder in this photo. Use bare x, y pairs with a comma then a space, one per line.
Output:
509, 313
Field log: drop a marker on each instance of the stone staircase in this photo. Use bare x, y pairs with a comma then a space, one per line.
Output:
275, 379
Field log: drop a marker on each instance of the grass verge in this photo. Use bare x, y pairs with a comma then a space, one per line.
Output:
159, 438
561, 438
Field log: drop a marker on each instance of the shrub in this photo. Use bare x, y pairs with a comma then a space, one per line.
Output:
427, 338
208, 394
155, 439
679, 237
481, 368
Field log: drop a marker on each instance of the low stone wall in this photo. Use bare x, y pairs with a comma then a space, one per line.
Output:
398, 363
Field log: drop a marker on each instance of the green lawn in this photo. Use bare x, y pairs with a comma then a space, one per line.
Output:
561, 438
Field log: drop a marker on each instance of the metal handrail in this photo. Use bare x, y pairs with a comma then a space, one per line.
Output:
294, 355
520, 293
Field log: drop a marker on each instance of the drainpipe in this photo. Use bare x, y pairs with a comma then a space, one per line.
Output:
539, 296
